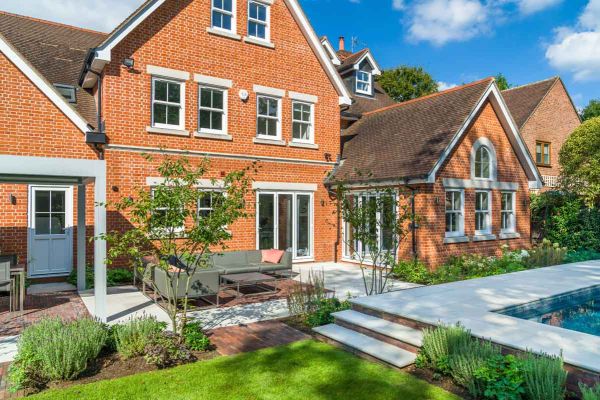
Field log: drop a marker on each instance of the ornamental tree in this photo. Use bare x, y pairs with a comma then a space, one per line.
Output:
580, 162
592, 110
407, 83
166, 224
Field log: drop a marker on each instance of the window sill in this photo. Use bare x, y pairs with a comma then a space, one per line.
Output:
510, 235
214, 136
544, 165
483, 238
272, 142
167, 131
226, 34
304, 145
258, 42
456, 239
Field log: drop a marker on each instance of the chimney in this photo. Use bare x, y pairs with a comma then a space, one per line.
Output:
342, 43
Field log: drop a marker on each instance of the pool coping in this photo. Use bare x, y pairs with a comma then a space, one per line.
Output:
474, 304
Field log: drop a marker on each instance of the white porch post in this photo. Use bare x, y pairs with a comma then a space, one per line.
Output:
100, 247
81, 230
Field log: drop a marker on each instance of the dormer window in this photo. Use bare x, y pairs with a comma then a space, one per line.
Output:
363, 82
483, 160
223, 15
68, 92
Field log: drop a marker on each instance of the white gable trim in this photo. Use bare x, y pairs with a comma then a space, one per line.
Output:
43, 85
371, 60
493, 94
332, 54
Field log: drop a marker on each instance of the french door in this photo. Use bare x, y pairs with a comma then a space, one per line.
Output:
285, 221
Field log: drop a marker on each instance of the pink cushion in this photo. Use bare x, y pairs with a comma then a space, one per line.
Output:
272, 256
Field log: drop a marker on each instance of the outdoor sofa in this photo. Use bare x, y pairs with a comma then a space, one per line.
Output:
206, 281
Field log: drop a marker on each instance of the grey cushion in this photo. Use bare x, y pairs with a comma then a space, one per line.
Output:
236, 269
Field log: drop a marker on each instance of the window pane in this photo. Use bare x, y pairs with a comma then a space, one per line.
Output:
262, 13
205, 98
42, 223
174, 92
216, 121
226, 24
272, 127
285, 221
58, 201
160, 90
272, 107
303, 222
173, 115
205, 119
218, 3
42, 201
262, 126
205, 201
227, 5
57, 224
261, 31
266, 222
217, 99
160, 114
217, 19
262, 105
253, 10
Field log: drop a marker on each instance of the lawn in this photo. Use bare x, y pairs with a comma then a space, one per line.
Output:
302, 370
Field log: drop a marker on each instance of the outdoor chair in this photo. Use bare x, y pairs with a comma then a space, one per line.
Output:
5, 279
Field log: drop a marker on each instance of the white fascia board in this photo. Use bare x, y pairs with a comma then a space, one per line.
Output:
314, 42
345, 101
269, 91
374, 65
284, 186
49, 166
309, 98
43, 85
479, 184
332, 54
168, 73
212, 81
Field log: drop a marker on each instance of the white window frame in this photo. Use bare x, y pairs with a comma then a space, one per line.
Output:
69, 90
181, 104
266, 23
488, 214
278, 118
512, 227
368, 82
177, 229
311, 123
484, 142
294, 195
231, 13
461, 214
211, 192
223, 130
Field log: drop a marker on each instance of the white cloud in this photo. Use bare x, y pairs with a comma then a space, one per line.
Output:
532, 6
442, 21
398, 4
103, 15
577, 49
445, 86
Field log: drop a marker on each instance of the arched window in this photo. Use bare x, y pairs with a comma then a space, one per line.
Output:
482, 163
483, 160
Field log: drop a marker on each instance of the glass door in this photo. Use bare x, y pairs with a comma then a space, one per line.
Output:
285, 222
266, 221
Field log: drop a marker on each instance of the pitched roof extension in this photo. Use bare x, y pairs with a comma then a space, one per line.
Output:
524, 100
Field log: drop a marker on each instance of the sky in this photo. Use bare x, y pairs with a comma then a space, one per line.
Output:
457, 41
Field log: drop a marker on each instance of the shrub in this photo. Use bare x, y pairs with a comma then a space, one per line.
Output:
439, 344
546, 254
581, 255
114, 277
502, 378
544, 376
56, 350
164, 349
306, 298
194, 337
132, 338
322, 314
467, 359
590, 393
412, 271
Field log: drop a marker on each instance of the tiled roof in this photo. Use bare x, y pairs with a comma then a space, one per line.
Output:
55, 50
405, 140
523, 100
350, 58
362, 104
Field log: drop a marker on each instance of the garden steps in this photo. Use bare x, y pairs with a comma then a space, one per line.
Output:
366, 345
381, 329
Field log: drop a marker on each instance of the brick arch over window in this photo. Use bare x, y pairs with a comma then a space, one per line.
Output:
480, 145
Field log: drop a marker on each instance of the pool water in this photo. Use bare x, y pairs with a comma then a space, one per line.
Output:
577, 311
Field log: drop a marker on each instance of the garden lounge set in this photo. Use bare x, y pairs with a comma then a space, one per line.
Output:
226, 271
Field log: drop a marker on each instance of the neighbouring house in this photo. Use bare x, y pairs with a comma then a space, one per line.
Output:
546, 116
461, 154
236, 82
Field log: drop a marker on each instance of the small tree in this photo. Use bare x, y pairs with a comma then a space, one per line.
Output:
407, 83
376, 221
167, 224
502, 82
580, 162
592, 110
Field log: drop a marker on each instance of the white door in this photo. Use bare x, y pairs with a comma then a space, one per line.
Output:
50, 230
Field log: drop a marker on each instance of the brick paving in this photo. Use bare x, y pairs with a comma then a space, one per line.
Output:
244, 338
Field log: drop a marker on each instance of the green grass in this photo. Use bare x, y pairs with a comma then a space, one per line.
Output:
302, 370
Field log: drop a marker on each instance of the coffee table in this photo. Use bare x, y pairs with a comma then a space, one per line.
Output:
238, 281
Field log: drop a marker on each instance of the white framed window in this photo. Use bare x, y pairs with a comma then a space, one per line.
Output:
159, 215
168, 103
507, 211
223, 15
212, 113
363, 82
207, 202
302, 122
483, 213
268, 121
482, 163
483, 160
258, 20
455, 217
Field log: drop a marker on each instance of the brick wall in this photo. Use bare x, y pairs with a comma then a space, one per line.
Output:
553, 121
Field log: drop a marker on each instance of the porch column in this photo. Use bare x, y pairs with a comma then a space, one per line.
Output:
100, 247
81, 230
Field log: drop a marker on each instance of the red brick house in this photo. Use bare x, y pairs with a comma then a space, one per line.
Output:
546, 116
462, 155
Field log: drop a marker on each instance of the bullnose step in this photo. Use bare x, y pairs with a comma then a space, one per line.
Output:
383, 327
385, 352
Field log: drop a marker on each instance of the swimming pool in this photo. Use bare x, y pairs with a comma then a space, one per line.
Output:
578, 310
